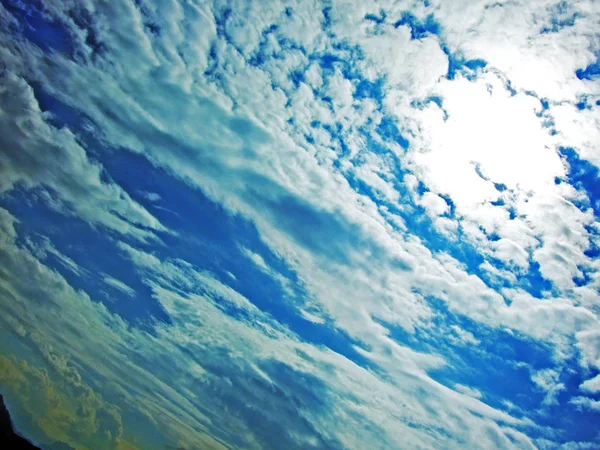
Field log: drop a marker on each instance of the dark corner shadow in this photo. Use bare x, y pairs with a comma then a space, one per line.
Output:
11, 440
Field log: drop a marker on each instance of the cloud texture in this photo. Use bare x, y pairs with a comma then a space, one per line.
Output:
301, 224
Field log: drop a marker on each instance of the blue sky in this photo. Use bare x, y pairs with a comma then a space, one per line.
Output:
301, 224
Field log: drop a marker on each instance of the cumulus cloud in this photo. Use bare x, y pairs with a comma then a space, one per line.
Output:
592, 385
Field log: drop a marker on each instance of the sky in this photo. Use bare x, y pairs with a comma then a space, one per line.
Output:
301, 224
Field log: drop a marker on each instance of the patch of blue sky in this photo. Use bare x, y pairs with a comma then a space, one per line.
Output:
582, 104
531, 281
435, 99
260, 56
561, 17
60, 114
93, 251
493, 367
378, 19
457, 63
558, 24
37, 28
388, 130
327, 21
212, 71
591, 72
149, 24
585, 278
297, 77
221, 17
593, 251
500, 366
585, 177
574, 422
419, 28
547, 122
341, 58
370, 89
211, 238
329, 62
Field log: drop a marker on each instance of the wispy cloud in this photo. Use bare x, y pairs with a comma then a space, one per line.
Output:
119, 285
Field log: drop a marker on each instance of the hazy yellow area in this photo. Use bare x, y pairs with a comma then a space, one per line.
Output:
62, 408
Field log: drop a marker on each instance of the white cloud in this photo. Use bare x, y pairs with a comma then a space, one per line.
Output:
36, 154
119, 285
174, 367
592, 385
240, 137
586, 403
471, 392
548, 380
579, 129
463, 336
413, 66
507, 35
434, 204
490, 129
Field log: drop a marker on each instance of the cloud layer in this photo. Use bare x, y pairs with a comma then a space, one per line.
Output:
302, 225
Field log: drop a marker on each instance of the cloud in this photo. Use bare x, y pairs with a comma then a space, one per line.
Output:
240, 362
119, 285
586, 403
548, 380
401, 166
468, 391
463, 336
541, 62
152, 196
592, 385
70, 332
36, 154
